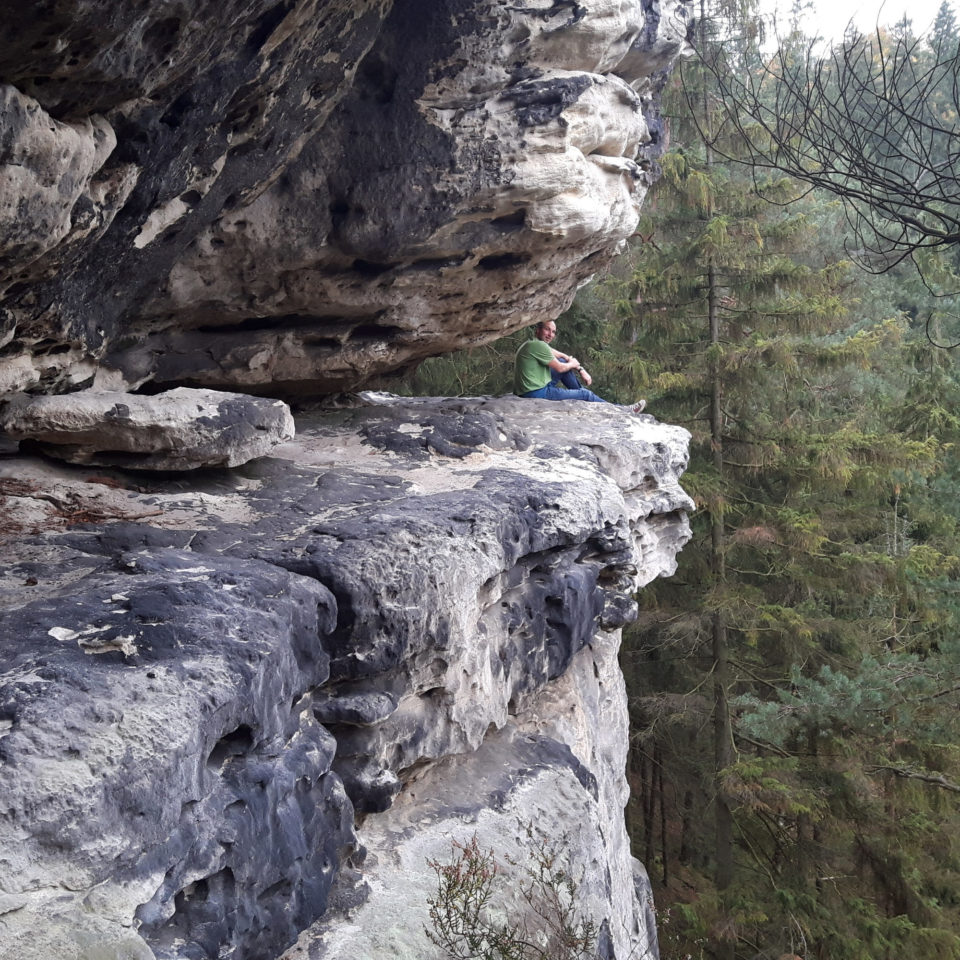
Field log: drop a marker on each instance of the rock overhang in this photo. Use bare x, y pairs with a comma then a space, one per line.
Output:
292, 199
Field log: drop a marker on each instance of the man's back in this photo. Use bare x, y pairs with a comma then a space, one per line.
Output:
531, 368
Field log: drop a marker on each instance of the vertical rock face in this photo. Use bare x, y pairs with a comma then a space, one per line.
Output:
409, 614
243, 706
293, 197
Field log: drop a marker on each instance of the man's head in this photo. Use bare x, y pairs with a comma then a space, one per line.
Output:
546, 330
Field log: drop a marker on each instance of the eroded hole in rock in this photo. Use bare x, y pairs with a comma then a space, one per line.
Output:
373, 331
502, 261
511, 221
15, 290
323, 343
412, 771
377, 81
243, 149
267, 24
199, 917
435, 263
234, 744
150, 389
288, 321
198, 891
162, 36
47, 348
6, 723
370, 269
282, 888
177, 110
303, 786
132, 144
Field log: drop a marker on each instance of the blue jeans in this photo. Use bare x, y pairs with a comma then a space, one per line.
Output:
564, 386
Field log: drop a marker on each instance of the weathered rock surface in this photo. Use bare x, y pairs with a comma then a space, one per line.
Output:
555, 768
432, 587
296, 197
161, 762
181, 429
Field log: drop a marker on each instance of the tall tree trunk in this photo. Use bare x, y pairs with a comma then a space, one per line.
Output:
649, 804
722, 728
658, 760
686, 823
722, 731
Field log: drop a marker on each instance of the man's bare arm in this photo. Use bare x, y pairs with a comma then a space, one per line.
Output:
560, 357
562, 366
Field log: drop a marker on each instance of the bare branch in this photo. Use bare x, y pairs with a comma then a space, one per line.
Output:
873, 121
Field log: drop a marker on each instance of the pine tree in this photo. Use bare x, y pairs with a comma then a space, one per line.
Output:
802, 563
943, 37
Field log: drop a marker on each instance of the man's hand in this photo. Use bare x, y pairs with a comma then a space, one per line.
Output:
562, 364
585, 377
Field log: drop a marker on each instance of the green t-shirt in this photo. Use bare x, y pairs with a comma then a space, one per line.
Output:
531, 369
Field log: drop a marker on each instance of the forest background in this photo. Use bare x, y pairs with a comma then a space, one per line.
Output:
794, 688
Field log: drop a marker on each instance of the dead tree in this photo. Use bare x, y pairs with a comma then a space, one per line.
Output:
874, 121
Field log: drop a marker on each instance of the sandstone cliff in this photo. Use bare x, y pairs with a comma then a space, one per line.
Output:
291, 197
410, 614
244, 701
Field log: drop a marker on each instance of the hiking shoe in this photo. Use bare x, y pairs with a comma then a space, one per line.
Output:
639, 406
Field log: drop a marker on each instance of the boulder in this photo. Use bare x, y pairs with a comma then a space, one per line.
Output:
181, 429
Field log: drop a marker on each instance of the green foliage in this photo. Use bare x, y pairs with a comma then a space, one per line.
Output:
826, 546
824, 564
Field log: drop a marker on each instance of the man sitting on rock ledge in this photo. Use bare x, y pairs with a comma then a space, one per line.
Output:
540, 372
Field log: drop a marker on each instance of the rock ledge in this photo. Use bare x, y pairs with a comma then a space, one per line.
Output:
408, 615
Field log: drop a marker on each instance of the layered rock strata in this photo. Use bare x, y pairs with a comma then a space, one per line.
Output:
406, 619
180, 429
295, 197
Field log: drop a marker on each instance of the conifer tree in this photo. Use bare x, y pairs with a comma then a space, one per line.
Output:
802, 565
943, 34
